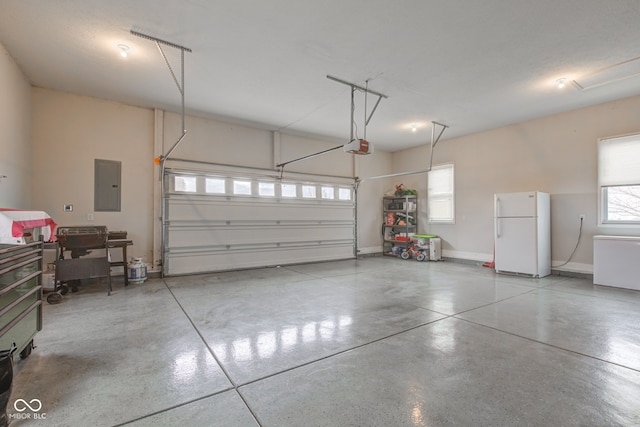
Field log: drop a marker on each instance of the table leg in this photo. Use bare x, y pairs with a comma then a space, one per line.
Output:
124, 260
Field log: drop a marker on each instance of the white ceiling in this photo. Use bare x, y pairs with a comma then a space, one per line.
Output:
473, 65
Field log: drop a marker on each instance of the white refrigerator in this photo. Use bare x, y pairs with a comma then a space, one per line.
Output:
522, 233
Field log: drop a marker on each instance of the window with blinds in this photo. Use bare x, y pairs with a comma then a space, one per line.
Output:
619, 179
440, 195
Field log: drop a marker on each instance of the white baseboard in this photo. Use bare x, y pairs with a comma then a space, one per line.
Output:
471, 256
370, 250
480, 257
575, 267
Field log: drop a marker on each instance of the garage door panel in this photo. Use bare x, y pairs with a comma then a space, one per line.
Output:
224, 235
232, 209
220, 260
216, 232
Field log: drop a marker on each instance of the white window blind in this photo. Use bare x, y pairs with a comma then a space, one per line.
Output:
619, 161
619, 179
440, 194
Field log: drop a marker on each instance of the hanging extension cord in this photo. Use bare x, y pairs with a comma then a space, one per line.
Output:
574, 249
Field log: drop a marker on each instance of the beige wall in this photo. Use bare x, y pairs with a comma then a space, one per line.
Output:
68, 133
555, 154
370, 194
15, 142
219, 142
216, 141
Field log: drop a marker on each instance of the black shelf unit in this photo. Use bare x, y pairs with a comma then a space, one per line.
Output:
399, 221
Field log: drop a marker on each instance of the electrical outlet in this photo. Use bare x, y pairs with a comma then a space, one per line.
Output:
582, 216
67, 208
90, 216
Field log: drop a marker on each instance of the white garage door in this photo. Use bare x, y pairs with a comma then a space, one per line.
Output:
216, 222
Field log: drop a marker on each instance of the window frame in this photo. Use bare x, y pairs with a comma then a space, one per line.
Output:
442, 196
604, 185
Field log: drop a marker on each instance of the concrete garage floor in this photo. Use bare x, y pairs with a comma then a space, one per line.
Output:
372, 342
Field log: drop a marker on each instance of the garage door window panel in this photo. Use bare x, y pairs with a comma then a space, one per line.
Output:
327, 193
266, 189
185, 184
288, 190
309, 191
215, 185
242, 188
344, 194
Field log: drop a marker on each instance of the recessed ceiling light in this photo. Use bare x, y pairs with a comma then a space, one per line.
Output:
124, 49
561, 82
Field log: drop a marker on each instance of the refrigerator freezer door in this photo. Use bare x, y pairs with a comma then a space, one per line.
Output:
516, 246
509, 205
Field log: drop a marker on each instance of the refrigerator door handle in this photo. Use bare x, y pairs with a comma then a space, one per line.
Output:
497, 228
497, 207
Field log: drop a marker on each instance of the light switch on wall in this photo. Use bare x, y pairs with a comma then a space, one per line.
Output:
90, 216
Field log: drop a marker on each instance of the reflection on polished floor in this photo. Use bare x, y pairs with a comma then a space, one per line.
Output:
370, 342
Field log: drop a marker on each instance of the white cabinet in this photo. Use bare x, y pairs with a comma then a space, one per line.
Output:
616, 261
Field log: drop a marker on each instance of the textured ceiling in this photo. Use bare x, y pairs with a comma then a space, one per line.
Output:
473, 65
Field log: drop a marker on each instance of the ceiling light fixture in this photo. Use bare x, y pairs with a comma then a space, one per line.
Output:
561, 82
414, 128
124, 49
